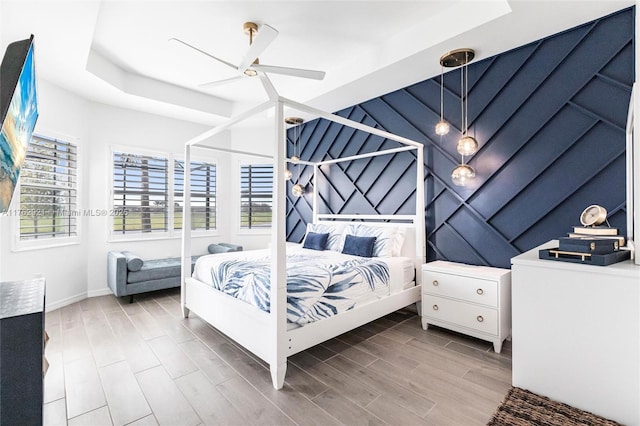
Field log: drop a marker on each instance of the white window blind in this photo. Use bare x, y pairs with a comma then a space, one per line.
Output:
140, 193
203, 195
256, 195
48, 190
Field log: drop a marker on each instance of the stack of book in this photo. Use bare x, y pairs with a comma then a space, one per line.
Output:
596, 245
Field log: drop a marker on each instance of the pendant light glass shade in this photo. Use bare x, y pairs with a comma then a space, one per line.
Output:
462, 174
297, 190
467, 145
442, 128
287, 174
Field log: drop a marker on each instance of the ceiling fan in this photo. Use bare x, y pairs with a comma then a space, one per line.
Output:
250, 64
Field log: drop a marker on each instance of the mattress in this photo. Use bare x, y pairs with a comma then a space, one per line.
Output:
319, 283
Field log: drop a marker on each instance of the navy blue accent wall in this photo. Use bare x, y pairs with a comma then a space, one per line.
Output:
549, 117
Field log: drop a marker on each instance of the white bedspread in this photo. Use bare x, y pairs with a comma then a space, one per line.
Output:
319, 283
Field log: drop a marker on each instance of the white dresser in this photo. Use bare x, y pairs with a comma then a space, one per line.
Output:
576, 333
474, 300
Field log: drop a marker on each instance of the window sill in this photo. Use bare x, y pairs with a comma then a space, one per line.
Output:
176, 236
23, 246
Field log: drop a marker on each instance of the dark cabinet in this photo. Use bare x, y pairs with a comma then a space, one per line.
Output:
21, 352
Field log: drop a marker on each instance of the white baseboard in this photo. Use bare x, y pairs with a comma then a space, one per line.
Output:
77, 298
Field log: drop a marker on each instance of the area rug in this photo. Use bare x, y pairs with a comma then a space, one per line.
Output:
521, 407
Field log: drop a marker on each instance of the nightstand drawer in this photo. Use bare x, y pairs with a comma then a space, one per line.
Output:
459, 287
475, 317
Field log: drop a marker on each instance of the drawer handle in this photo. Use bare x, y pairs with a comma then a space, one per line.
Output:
480, 291
435, 283
479, 318
435, 307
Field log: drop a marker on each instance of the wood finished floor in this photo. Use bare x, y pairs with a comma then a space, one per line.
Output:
117, 363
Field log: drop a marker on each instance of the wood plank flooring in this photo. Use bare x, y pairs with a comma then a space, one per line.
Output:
115, 363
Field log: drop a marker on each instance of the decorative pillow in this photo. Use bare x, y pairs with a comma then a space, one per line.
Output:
134, 262
388, 238
358, 246
334, 241
315, 241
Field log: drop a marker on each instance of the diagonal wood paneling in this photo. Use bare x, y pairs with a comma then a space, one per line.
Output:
550, 119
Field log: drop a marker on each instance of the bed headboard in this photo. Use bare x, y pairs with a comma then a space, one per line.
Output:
409, 247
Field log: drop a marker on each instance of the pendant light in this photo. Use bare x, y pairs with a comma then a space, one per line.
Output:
467, 145
297, 189
442, 128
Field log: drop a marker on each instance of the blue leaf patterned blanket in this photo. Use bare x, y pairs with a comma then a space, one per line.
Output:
319, 284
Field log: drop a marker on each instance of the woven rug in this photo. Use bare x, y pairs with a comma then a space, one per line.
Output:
521, 407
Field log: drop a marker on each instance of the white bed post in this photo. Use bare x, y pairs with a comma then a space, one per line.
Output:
185, 270
316, 193
421, 244
278, 315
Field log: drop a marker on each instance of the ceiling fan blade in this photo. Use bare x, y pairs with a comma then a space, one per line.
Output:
265, 36
221, 82
203, 52
294, 72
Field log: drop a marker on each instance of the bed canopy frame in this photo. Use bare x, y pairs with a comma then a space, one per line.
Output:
266, 334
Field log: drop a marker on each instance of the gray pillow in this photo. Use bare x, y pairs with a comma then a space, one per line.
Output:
134, 262
217, 248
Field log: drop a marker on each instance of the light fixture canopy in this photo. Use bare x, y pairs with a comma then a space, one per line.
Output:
462, 174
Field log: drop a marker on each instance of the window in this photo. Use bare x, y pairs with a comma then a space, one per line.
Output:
140, 193
256, 189
203, 195
48, 190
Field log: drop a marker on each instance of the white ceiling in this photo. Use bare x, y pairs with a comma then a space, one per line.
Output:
117, 52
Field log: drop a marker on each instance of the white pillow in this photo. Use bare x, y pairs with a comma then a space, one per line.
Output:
389, 239
334, 242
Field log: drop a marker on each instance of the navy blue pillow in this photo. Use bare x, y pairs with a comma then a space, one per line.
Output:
359, 246
315, 241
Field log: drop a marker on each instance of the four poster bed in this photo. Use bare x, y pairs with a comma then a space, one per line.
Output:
236, 296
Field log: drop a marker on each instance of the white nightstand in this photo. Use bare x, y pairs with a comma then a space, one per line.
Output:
474, 300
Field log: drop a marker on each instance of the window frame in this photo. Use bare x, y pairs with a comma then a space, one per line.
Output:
171, 232
15, 207
248, 161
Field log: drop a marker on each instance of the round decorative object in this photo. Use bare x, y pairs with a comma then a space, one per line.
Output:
297, 190
467, 145
462, 174
295, 159
442, 128
593, 215
288, 174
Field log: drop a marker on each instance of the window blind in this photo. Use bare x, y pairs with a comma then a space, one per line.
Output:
203, 195
48, 190
256, 195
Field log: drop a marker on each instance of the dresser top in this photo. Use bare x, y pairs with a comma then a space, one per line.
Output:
21, 297
463, 269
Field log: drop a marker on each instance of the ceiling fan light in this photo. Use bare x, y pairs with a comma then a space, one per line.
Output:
467, 145
442, 128
250, 72
462, 174
297, 190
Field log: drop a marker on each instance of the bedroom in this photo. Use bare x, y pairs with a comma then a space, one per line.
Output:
98, 127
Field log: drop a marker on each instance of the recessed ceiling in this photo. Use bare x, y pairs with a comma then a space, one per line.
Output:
117, 52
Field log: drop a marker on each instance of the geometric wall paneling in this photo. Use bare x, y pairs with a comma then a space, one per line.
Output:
549, 118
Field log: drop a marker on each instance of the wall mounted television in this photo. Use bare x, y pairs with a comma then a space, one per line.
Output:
18, 113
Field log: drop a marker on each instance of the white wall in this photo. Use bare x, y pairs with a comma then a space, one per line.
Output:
62, 115
77, 271
114, 127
